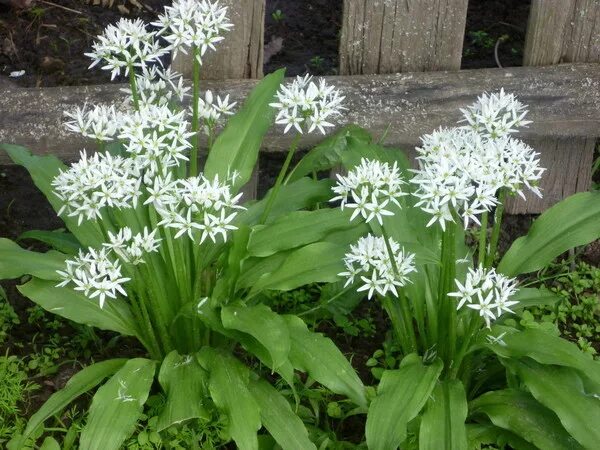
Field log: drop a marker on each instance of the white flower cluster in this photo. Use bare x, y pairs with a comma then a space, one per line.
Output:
211, 108
496, 115
125, 45
462, 169
158, 86
370, 260
306, 105
95, 182
487, 292
369, 188
94, 274
97, 274
131, 247
99, 122
156, 137
188, 23
195, 205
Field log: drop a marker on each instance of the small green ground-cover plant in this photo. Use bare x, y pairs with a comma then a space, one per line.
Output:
157, 250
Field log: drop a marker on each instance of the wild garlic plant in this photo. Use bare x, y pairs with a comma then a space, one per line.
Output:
176, 257
468, 365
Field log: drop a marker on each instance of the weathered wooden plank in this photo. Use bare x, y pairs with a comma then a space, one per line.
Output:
564, 101
390, 36
563, 31
240, 55
568, 162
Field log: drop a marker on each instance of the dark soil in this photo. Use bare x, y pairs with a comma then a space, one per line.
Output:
49, 42
489, 21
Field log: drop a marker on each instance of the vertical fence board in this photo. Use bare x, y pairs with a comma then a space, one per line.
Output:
389, 36
240, 55
561, 31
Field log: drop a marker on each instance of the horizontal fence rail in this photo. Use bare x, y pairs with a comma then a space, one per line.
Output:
564, 101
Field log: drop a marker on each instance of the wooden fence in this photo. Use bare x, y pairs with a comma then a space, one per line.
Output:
399, 66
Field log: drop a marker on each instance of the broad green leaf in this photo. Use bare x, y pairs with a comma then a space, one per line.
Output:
300, 194
328, 153
528, 297
184, 382
359, 148
546, 348
573, 222
267, 327
80, 383
562, 390
72, 305
50, 444
238, 145
254, 269
117, 406
15, 262
59, 240
401, 396
443, 423
228, 385
279, 419
43, 169
520, 413
297, 229
313, 353
315, 263
488, 434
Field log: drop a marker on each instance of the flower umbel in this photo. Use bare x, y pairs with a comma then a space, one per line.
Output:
369, 260
369, 188
307, 105
486, 291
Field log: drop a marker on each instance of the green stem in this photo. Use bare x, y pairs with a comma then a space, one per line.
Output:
470, 332
447, 307
489, 260
195, 123
134, 89
483, 238
395, 314
403, 302
325, 303
280, 177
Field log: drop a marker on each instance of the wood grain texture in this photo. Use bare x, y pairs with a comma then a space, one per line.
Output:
391, 36
563, 31
240, 55
564, 103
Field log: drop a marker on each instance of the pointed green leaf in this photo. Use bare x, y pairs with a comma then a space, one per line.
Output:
520, 413
43, 169
238, 145
83, 381
59, 240
16, 262
528, 297
185, 383
278, 418
315, 263
546, 348
297, 229
72, 305
267, 327
328, 153
50, 444
228, 385
118, 405
443, 423
301, 194
573, 222
401, 395
562, 390
313, 353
